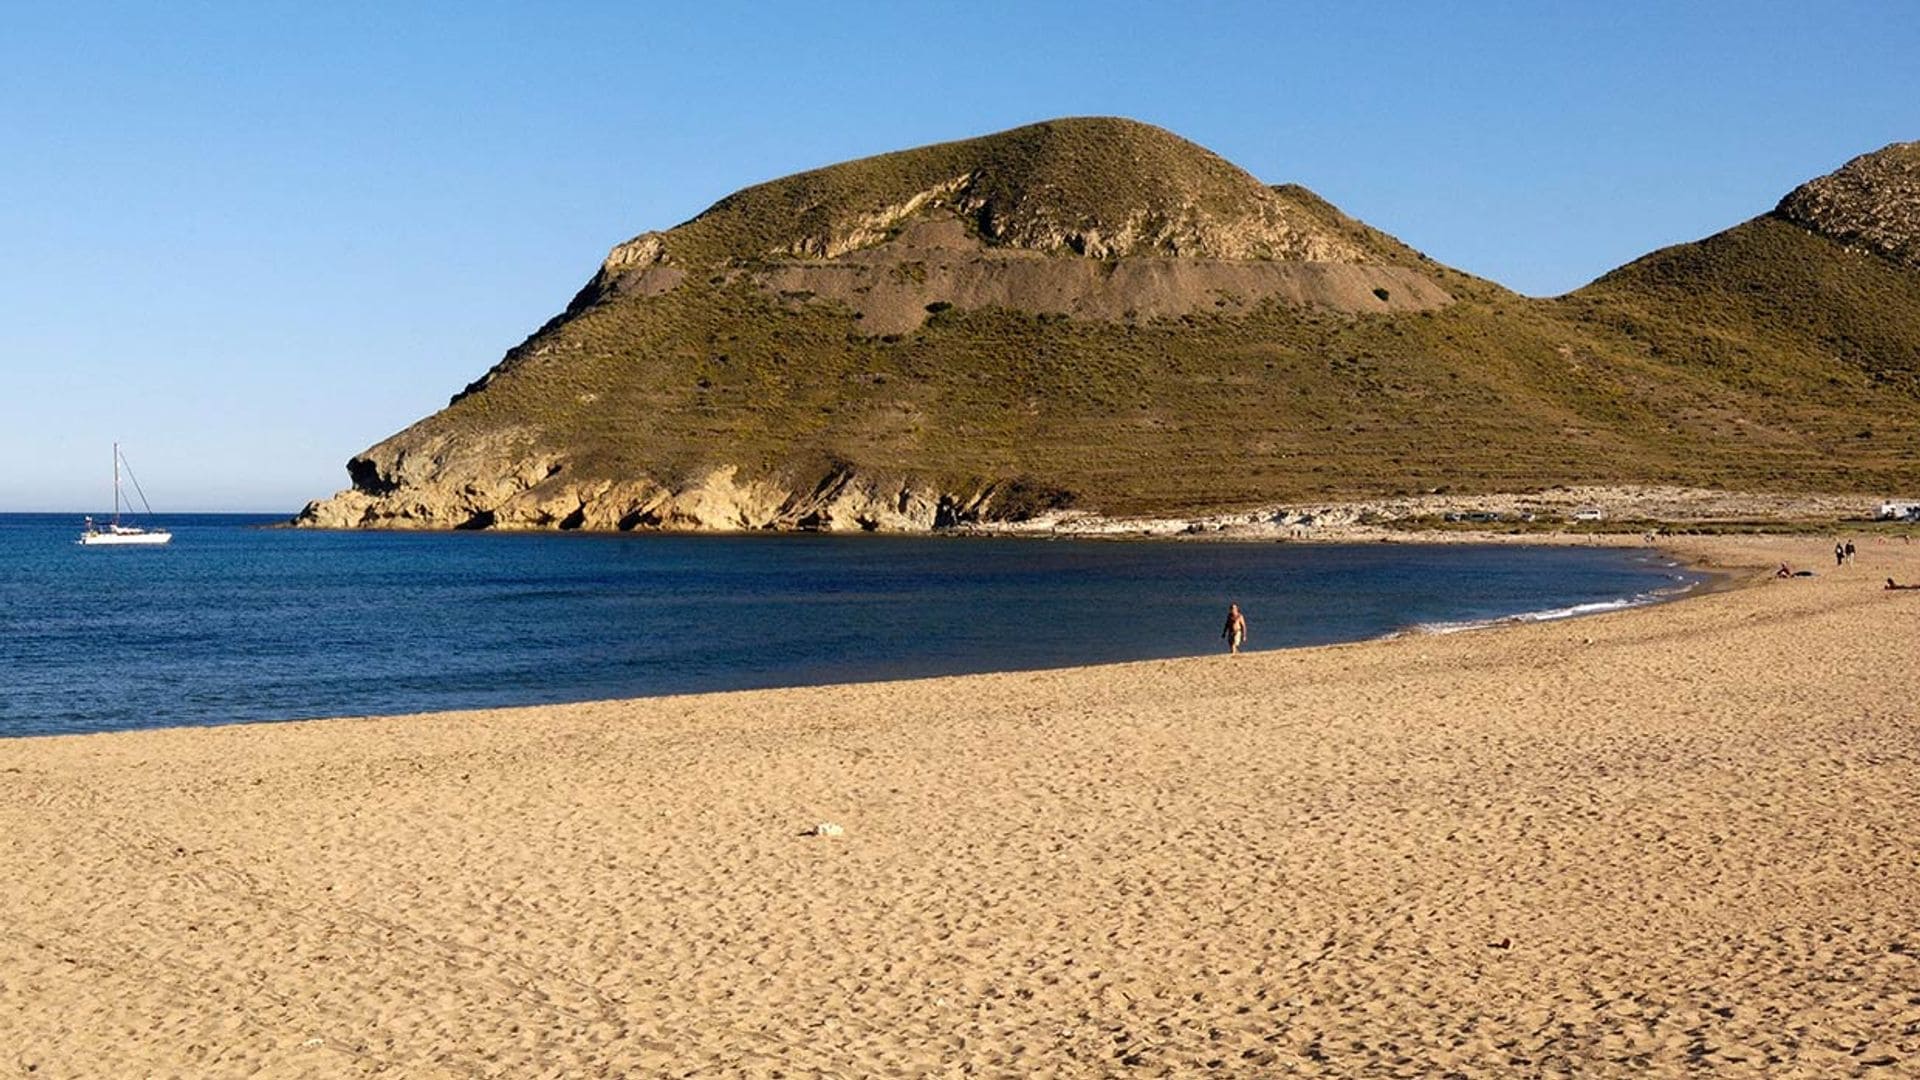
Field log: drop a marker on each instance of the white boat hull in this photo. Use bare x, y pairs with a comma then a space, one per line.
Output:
125, 538
112, 533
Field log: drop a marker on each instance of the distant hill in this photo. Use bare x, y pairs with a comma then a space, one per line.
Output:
1096, 313
1806, 321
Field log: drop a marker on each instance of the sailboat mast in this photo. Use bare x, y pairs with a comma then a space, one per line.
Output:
116, 483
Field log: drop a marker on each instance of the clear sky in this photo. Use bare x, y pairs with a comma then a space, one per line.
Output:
251, 239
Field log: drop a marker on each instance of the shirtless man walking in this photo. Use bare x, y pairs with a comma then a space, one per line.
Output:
1236, 629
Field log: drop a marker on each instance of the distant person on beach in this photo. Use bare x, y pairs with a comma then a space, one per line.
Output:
1891, 585
1236, 629
1849, 551
1785, 571
1839, 553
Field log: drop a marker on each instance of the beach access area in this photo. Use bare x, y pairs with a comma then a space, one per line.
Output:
1678, 840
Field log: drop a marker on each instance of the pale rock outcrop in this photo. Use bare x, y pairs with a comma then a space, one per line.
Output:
874, 226
454, 491
1871, 203
1260, 226
429, 480
847, 501
349, 509
1261, 229
639, 267
643, 250
719, 500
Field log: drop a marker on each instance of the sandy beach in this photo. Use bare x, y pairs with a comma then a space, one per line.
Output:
1671, 841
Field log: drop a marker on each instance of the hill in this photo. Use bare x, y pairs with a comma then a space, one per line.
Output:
1807, 317
1096, 313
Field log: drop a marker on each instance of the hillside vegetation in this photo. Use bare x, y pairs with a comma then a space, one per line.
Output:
685, 388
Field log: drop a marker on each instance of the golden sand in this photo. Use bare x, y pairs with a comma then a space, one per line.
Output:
1682, 840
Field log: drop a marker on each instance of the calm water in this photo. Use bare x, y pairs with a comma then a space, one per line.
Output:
232, 622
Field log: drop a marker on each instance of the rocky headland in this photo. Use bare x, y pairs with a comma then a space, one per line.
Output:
1094, 321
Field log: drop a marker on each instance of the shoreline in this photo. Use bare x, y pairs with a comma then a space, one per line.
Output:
1711, 579
1356, 518
1647, 843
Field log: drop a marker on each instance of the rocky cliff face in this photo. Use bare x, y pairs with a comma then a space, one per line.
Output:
442, 486
1871, 203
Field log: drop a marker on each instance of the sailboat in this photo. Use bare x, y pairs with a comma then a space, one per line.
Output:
114, 532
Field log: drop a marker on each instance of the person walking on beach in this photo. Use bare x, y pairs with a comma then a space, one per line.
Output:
1236, 629
1849, 551
1839, 553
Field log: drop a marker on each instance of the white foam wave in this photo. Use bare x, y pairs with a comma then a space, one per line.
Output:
1552, 614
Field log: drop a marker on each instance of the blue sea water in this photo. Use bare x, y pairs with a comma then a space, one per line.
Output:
236, 622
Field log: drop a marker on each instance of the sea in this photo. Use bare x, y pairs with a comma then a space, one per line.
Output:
239, 621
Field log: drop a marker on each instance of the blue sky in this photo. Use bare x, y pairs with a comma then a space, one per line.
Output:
250, 240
